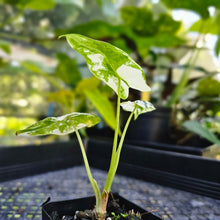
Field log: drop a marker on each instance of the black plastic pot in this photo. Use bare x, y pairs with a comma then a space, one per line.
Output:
153, 130
152, 126
52, 209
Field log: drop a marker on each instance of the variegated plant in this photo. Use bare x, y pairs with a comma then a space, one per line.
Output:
115, 68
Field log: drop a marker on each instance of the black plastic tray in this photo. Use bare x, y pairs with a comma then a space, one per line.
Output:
16, 162
182, 171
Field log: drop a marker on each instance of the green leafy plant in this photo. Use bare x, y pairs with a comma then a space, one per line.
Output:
114, 67
201, 130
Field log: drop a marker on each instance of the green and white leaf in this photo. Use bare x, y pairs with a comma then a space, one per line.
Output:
138, 106
61, 125
110, 64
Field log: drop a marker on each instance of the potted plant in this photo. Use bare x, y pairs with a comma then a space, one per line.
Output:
115, 68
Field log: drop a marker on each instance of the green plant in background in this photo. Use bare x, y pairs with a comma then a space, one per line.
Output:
71, 90
115, 68
158, 47
201, 130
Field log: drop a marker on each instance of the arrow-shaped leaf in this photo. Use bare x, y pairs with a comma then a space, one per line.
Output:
61, 125
138, 106
110, 64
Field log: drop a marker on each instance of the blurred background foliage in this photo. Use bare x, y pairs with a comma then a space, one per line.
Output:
177, 43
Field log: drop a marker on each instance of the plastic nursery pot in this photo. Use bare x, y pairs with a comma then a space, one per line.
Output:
152, 126
56, 210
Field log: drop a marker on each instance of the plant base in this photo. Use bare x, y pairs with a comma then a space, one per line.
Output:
56, 210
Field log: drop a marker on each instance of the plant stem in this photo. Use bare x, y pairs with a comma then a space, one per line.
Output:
107, 186
124, 133
93, 182
114, 165
117, 120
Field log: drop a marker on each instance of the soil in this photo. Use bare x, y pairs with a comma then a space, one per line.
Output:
114, 212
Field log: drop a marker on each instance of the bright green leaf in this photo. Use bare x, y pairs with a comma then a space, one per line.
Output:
37, 4
109, 64
201, 7
139, 19
142, 22
160, 40
96, 30
67, 70
87, 84
61, 125
193, 5
209, 25
5, 46
138, 106
103, 105
204, 132
209, 87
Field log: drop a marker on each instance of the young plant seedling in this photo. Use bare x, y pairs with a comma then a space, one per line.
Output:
115, 68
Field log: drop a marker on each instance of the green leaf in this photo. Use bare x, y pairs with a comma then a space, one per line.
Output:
96, 30
204, 132
67, 70
87, 84
209, 25
103, 105
142, 22
139, 19
209, 87
61, 125
138, 106
5, 46
109, 64
37, 4
201, 7
159, 40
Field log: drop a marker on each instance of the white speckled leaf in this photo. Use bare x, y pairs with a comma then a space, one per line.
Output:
61, 125
109, 64
138, 106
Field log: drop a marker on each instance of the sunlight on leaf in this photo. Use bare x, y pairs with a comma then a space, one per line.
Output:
61, 125
138, 106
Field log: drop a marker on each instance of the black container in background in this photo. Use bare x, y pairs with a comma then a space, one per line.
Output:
16, 162
152, 126
70, 206
182, 171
